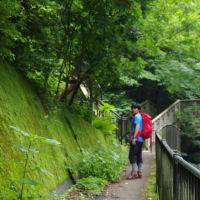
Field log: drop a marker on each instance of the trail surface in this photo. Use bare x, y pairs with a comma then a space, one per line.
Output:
130, 189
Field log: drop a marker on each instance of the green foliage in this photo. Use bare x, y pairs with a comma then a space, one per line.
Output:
92, 185
9, 12
32, 139
106, 124
188, 121
168, 42
120, 100
105, 162
106, 108
162, 50
97, 167
63, 44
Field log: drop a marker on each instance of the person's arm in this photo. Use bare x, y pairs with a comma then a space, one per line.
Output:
137, 127
131, 118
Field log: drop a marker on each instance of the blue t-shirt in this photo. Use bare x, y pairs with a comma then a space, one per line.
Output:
137, 120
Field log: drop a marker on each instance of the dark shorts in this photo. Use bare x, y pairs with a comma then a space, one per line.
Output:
135, 153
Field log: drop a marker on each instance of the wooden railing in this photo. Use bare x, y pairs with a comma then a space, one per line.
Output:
176, 178
167, 117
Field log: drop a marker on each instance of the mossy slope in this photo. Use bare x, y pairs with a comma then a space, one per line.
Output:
21, 107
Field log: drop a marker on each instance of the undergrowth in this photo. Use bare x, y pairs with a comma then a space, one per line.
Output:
150, 188
92, 185
106, 123
97, 167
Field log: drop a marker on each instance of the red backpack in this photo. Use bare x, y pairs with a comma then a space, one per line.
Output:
147, 127
146, 132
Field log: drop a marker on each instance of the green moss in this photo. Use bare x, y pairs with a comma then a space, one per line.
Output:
21, 107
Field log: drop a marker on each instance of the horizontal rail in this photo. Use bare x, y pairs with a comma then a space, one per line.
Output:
190, 100
187, 165
165, 111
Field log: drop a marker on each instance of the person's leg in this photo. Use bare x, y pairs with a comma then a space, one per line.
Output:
134, 167
139, 160
133, 160
131, 154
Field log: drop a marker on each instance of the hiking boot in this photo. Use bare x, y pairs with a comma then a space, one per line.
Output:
130, 176
135, 175
139, 174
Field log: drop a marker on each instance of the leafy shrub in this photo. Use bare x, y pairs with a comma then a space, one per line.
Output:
106, 107
105, 162
93, 185
105, 124
97, 167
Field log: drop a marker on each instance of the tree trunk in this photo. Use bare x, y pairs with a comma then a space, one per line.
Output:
75, 91
65, 92
91, 97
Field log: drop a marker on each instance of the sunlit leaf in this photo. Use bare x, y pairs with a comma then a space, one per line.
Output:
21, 147
44, 171
51, 141
19, 130
24, 149
33, 151
27, 181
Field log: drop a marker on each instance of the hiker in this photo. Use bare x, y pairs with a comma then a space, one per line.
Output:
136, 142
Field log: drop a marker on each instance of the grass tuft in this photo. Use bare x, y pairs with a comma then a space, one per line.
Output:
150, 188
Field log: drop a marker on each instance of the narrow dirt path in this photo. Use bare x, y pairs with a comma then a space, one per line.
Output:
130, 189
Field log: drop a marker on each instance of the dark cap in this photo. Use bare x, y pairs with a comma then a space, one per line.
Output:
136, 105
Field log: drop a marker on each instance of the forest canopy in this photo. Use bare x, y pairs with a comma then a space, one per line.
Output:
62, 44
